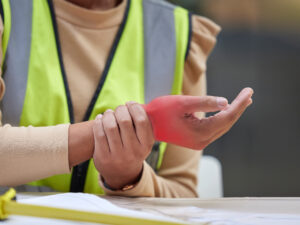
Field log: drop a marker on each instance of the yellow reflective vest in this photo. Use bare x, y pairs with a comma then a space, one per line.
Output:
146, 61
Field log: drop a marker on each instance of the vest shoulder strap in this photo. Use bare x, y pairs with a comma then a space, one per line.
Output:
17, 28
162, 46
167, 37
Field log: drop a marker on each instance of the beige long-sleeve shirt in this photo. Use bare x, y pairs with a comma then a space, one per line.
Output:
86, 36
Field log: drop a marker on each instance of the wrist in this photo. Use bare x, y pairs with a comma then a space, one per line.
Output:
80, 142
121, 184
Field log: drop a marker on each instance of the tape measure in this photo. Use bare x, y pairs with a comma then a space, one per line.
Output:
10, 207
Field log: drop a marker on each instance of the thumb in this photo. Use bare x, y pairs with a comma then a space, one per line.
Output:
204, 103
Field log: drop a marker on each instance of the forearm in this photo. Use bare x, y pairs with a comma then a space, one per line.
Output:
177, 177
32, 153
153, 185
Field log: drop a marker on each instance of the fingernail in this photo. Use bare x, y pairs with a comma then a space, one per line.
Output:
222, 102
99, 116
109, 110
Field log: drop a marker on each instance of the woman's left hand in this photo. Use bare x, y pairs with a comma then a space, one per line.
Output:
123, 140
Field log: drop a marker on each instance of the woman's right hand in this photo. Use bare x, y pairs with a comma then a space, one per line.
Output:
173, 119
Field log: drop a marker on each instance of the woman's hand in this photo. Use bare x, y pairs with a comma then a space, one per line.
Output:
173, 118
123, 140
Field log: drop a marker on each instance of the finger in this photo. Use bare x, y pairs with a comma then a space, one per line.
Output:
241, 101
231, 114
125, 123
141, 122
204, 103
225, 130
239, 114
112, 132
101, 143
238, 106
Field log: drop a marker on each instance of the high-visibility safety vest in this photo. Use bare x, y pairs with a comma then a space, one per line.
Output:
146, 61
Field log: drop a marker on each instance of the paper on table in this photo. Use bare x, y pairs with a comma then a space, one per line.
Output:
83, 202
217, 217
198, 215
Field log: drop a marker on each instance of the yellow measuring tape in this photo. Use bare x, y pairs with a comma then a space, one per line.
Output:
10, 207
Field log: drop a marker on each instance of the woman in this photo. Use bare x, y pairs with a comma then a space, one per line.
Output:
85, 58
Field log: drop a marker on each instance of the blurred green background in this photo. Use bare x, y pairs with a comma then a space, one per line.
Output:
259, 46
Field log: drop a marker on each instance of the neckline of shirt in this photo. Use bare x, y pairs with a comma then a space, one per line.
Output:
88, 18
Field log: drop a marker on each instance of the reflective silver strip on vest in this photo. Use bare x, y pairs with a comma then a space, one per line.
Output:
15, 69
160, 56
160, 48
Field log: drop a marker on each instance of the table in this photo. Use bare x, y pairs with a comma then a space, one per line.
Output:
221, 211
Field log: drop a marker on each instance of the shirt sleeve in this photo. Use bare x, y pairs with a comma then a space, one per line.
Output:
177, 176
30, 153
